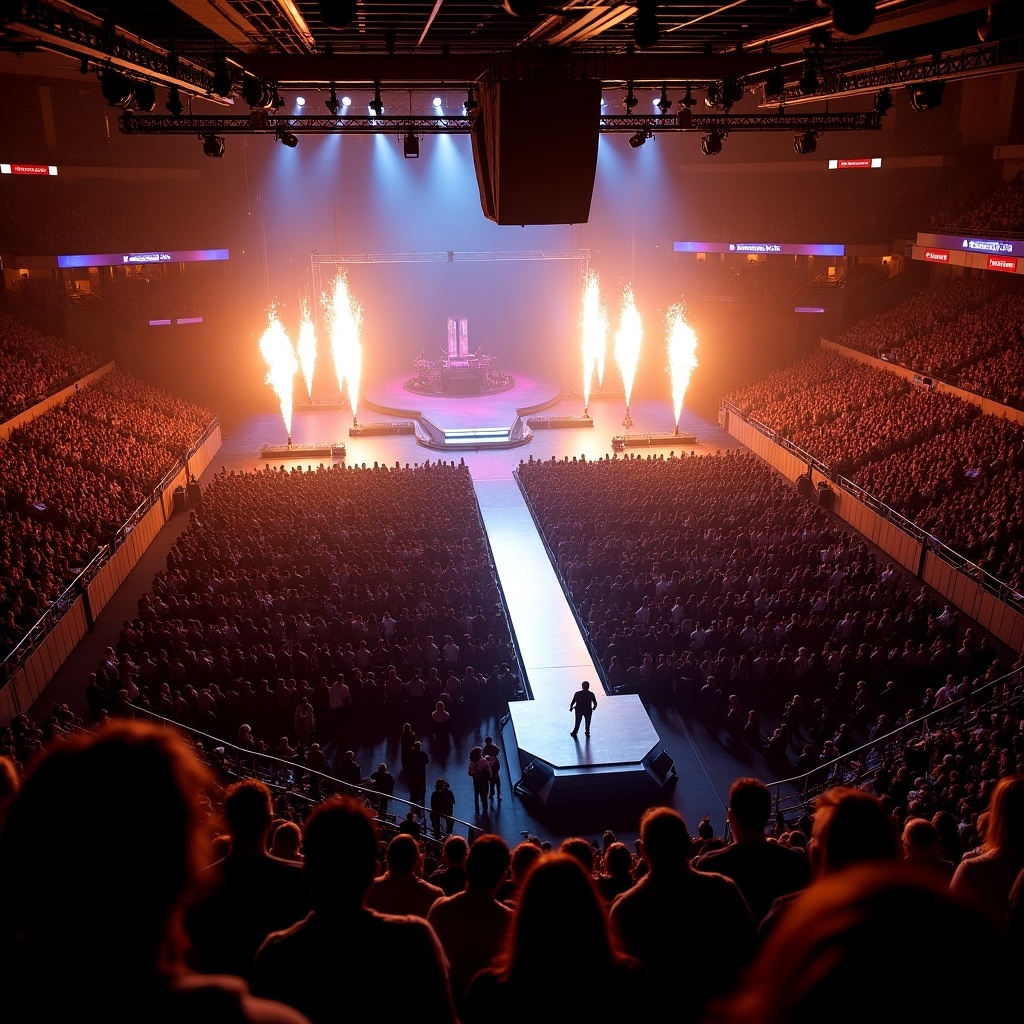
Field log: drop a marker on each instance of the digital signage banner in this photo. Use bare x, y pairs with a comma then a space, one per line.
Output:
971, 243
126, 259
759, 248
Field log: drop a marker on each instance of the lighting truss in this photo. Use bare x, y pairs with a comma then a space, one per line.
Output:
315, 124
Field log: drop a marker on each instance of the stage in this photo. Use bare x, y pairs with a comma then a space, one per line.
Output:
464, 422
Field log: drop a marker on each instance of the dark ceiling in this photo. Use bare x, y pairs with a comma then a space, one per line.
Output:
308, 42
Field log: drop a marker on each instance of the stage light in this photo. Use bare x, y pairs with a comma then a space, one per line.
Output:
116, 88
630, 101
646, 31
300, 101
411, 147
775, 82
174, 105
927, 95
276, 103
732, 91
287, 138
639, 138
664, 104
714, 96
809, 79
883, 101
257, 93
331, 103
806, 143
221, 84
470, 104
346, 101
145, 97
436, 101
711, 144
376, 105
213, 145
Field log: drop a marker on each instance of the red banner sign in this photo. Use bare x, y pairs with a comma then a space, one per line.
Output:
937, 255
1008, 264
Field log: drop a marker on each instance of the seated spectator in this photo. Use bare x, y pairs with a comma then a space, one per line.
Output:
401, 890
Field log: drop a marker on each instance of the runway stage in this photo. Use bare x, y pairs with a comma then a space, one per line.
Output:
465, 422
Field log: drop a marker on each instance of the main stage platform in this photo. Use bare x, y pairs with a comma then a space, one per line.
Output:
463, 422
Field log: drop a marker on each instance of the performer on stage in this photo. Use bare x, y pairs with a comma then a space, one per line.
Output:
583, 703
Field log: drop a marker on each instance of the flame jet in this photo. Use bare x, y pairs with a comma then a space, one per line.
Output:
681, 343
307, 347
595, 333
277, 351
627, 344
344, 319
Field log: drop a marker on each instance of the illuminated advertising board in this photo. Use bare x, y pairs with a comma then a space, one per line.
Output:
1007, 264
128, 259
936, 255
34, 170
972, 243
855, 163
762, 248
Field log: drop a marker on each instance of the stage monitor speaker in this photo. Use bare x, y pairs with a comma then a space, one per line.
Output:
533, 167
535, 778
662, 767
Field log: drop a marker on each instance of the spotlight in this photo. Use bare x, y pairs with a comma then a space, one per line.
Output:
630, 101
714, 96
117, 89
470, 104
775, 82
287, 138
257, 93
852, 17
883, 101
376, 105
646, 32
639, 138
688, 100
174, 105
711, 144
221, 84
411, 147
809, 79
331, 103
664, 104
346, 101
436, 102
145, 97
300, 101
927, 95
806, 143
213, 145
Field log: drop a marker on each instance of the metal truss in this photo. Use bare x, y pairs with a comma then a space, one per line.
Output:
261, 123
987, 59
82, 36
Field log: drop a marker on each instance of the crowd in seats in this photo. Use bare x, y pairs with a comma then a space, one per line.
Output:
999, 377
707, 583
949, 324
362, 596
45, 294
70, 478
852, 903
34, 365
997, 209
931, 456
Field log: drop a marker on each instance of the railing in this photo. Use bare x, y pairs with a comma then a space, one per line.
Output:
793, 797
37, 632
1003, 591
230, 763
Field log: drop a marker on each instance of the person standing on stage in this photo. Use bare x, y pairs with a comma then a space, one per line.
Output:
583, 703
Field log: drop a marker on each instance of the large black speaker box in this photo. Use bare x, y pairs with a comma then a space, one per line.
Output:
535, 150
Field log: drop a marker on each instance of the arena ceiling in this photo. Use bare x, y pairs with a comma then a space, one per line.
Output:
310, 43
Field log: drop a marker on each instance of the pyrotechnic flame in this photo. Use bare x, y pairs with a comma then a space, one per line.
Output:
595, 331
344, 317
682, 355
282, 365
307, 347
627, 342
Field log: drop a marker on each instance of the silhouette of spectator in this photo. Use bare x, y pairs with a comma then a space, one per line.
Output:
862, 942
401, 890
251, 893
450, 877
442, 807
119, 815
692, 930
987, 878
472, 924
763, 870
921, 850
344, 947
586, 977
